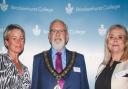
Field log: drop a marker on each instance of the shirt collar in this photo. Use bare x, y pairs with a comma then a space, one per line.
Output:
55, 51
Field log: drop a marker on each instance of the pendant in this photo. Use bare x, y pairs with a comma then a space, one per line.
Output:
57, 87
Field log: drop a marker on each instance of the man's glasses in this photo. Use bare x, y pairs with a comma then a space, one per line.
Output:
57, 31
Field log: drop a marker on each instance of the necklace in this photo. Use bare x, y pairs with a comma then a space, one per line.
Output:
66, 69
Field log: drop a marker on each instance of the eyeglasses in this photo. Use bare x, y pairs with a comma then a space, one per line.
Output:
57, 31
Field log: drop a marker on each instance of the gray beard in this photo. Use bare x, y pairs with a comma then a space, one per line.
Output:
58, 46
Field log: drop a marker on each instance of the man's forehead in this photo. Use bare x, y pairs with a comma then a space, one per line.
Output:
57, 25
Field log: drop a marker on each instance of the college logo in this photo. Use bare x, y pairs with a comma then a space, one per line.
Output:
69, 9
36, 30
102, 30
4, 6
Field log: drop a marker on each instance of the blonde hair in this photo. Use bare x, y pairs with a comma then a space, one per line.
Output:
107, 54
9, 28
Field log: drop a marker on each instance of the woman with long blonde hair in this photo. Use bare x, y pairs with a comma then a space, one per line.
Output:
113, 71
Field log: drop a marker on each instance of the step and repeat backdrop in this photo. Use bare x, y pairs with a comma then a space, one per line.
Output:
87, 20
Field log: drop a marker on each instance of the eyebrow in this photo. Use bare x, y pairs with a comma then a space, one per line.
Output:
58, 29
19, 36
117, 34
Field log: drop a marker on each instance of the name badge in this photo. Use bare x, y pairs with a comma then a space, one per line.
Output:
76, 69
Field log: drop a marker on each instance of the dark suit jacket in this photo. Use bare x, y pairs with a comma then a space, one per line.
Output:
43, 79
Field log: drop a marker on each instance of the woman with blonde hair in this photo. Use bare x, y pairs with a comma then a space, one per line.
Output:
113, 71
13, 74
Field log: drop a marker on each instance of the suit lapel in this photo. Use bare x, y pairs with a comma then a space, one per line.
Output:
66, 78
50, 56
52, 78
67, 56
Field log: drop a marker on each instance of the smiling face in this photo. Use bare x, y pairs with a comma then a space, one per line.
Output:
15, 41
116, 40
58, 36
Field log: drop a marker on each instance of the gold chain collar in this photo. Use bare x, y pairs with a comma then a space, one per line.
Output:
53, 71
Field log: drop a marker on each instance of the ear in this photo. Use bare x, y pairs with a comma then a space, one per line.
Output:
67, 38
6, 43
49, 37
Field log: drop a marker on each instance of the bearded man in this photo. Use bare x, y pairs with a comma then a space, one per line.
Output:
59, 68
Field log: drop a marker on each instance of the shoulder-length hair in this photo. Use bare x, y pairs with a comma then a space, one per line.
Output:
107, 54
9, 28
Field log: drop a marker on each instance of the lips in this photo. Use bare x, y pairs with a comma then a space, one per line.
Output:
18, 47
115, 45
58, 40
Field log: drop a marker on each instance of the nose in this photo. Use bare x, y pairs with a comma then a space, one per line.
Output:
19, 41
115, 39
57, 33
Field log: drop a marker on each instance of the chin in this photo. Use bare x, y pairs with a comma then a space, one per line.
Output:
18, 51
58, 46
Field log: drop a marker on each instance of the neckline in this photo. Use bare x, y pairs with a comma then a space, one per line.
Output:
112, 63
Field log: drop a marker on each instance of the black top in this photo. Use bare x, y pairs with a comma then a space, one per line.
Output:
104, 79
